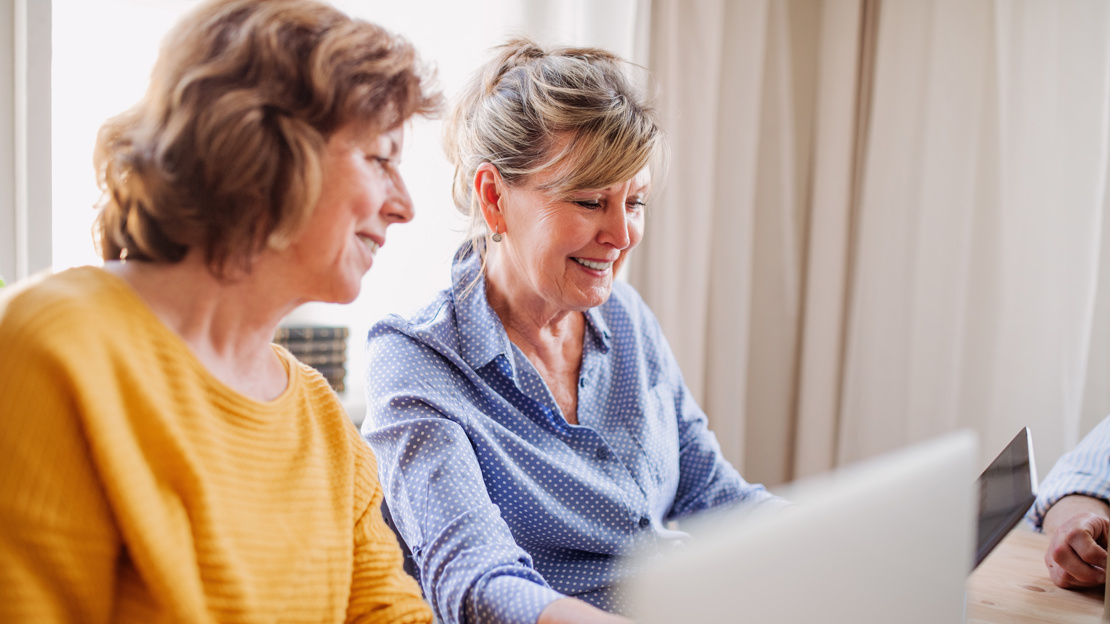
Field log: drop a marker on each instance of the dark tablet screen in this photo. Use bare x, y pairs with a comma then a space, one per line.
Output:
1007, 489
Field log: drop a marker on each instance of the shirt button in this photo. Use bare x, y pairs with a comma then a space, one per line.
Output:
645, 522
602, 453
582, 383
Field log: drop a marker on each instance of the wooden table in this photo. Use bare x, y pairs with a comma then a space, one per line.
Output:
1011, 586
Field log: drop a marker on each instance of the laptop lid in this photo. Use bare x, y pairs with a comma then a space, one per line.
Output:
886, 540
1007, 489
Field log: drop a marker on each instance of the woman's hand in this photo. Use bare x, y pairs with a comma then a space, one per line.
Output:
574, 611
1077, 527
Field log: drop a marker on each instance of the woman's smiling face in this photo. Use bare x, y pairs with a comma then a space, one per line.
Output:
561, 251
362, 194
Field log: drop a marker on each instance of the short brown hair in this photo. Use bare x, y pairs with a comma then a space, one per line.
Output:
517, 107
223, 152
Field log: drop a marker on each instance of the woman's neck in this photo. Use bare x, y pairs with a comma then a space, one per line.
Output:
551, 339
228, 324
527, 317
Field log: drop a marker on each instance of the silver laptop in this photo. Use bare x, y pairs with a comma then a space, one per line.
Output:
886, 540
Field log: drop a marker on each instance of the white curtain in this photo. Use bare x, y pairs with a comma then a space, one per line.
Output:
694, 265
884, 222
721, 262
615, 25
980, 225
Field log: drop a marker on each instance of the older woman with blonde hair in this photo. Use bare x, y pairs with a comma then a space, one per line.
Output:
162, 460
531, 422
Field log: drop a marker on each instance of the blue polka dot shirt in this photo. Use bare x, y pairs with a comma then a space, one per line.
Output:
504, 505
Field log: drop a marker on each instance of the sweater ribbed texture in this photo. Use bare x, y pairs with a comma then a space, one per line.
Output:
136, 487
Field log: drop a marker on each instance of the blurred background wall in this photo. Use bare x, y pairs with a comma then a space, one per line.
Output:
883, 219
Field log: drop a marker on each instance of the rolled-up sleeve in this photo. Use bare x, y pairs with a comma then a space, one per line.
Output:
1083, 470
471, 568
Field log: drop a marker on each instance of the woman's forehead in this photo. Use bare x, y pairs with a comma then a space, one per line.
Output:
574, 163
642, 179
567, 176
389, 142
637, 183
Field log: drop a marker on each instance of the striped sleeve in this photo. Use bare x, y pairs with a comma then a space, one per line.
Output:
1084, 470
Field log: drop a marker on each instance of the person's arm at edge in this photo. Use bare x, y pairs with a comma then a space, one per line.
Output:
1069, 507
1077, 526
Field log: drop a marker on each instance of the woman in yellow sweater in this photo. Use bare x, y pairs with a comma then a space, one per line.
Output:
160, 460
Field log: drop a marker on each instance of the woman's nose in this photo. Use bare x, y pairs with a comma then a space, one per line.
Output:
615, 230
398, 206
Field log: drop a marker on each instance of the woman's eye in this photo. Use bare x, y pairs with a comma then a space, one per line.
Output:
588, 203
381, 161
637, 205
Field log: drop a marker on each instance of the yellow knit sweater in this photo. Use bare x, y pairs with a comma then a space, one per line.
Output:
136, 487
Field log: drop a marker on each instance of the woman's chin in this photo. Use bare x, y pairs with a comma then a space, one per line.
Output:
340, 293
350, 294
593, 297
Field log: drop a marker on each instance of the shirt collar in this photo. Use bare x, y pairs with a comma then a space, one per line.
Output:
483, 337
477, 319
595, 321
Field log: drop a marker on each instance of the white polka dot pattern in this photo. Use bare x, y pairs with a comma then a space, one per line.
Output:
505, 505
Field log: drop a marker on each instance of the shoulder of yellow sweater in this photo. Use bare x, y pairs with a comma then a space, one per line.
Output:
328, 406
67, 302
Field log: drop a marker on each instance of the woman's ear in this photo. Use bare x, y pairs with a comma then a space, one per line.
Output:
489, 188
